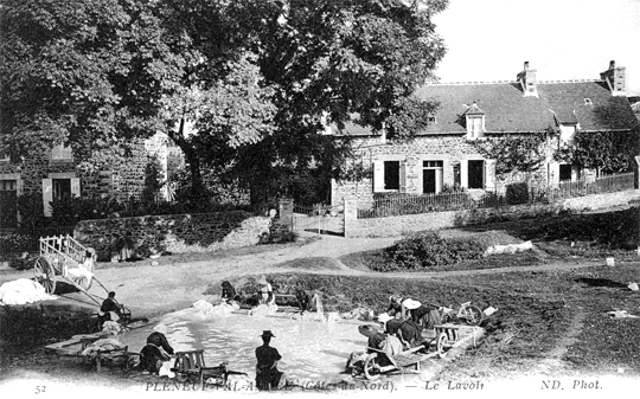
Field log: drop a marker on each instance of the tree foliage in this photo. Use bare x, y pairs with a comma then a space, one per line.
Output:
522, 153
607, 152
78, 72
328, 61
244, 87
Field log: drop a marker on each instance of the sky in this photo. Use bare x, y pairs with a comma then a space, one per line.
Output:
489, 40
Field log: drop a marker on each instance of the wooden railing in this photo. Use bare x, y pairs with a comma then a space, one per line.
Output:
63, 248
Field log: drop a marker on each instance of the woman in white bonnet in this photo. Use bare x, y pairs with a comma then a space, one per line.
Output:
157, 349
159, 338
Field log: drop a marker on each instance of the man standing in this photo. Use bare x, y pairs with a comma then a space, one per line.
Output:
267, 374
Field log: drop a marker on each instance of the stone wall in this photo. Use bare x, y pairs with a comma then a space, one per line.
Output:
174, 233
398, 225
450, 149
118, 171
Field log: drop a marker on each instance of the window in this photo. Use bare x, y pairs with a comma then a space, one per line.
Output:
431, 177
392, 175
475, 126
61, 153
565, 172
8, 204
568, 133
57, 186
61, 188
431, 119
4, 157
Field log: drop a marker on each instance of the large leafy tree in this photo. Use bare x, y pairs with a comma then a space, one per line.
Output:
82, 73
244, 86
332, 61
219, 101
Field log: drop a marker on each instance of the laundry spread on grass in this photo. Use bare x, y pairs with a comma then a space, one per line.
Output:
23, 291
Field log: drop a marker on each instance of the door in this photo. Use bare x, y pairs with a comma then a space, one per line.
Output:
476, 174
8, 204
429, 181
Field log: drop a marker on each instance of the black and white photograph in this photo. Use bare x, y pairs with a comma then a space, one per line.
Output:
357, 198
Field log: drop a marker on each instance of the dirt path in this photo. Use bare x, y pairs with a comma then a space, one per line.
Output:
154, 290
553, 364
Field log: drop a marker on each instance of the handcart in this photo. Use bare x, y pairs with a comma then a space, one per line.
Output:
63, 259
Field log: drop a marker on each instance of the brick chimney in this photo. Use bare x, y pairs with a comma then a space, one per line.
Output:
528, 81
616, 79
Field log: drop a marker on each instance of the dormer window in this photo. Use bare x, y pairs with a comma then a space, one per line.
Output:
475, 122
587, 101
431, 119
4, 156
568, 133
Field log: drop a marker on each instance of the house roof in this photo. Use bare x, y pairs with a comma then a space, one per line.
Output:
507, 110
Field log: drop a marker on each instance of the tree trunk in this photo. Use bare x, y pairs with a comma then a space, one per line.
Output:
196, 176
191, 158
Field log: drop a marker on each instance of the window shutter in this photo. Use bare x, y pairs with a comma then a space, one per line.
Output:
489, 174
19, 187
378, 176
75, 187
403, 176
554, 173
47, 195
464, 173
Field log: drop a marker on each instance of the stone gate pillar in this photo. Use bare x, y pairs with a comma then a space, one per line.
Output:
350, 217
637, 172
285, 211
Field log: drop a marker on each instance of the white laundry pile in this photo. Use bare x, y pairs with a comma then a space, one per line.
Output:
112, 327
22, 291
109, 346
165, 370
509, 249
621, 314
264, 310
206, 308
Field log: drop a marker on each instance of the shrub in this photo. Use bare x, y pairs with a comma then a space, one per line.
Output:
517, 193
428, 249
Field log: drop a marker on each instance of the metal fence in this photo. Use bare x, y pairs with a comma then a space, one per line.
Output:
396, 204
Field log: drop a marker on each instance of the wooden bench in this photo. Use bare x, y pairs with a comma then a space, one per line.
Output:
124, 354
190, 364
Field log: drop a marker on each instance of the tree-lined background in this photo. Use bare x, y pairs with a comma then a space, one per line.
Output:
244, 87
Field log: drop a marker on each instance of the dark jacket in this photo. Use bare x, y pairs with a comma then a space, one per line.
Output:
159, 340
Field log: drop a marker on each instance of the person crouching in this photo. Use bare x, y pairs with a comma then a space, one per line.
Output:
157, 351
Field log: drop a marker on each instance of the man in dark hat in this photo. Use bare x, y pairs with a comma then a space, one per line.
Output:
267, 374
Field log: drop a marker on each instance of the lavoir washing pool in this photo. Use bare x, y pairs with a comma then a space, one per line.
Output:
309, 349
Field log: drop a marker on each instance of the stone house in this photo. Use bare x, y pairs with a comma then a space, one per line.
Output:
446, 153
116, 172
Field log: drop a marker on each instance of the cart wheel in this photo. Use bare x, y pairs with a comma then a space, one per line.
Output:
371, 369
45, 274
441, 341
472, 315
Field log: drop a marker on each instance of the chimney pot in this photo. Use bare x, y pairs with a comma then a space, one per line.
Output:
526, 65
612, 64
